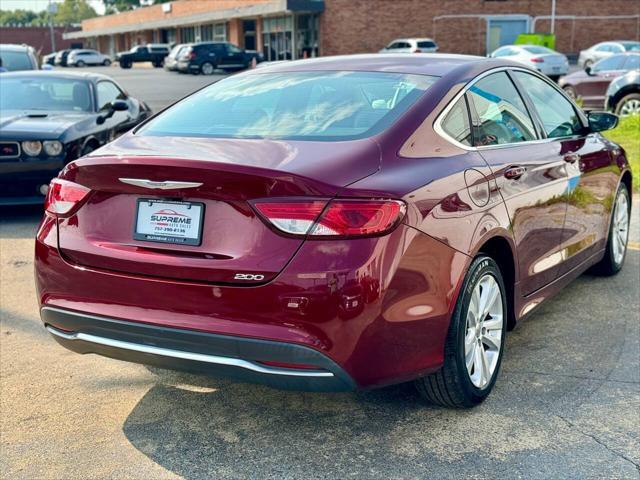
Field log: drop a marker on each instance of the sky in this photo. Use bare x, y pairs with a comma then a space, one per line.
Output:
38, 5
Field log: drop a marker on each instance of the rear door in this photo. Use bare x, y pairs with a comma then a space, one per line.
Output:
531, 176
588, 162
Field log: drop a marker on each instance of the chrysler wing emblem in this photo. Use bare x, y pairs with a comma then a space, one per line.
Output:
158, 185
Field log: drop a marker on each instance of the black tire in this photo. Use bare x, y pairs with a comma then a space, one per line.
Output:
80, 63
451, 386
125, 64
626, 99
106, 62
608, 266
157, 64
207, 68
554, 78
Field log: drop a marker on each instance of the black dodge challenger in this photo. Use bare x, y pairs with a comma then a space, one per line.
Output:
48, 119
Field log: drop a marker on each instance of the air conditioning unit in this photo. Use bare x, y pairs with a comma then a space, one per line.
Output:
166, 7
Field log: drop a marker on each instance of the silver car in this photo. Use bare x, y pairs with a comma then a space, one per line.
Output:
411, 45
82, 58
605, 49
18, 57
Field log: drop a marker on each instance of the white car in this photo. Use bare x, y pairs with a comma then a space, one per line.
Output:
82, 58
543, 59
602, 50
411, 45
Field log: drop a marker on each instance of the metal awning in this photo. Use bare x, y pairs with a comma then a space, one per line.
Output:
262, 9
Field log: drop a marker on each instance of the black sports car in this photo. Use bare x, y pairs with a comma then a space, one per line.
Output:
48, 119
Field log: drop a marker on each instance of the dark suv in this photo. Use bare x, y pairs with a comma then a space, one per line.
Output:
206, 57
152, 52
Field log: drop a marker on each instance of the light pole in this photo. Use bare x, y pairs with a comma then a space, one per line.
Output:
553, 16
52, 8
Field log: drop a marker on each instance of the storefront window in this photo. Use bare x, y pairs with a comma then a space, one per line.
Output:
187, 34
307, 36
214, 33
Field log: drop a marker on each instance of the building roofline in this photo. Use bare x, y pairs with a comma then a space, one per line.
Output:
261, 9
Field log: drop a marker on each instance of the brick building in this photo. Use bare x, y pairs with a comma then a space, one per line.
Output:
39, 37
285, 29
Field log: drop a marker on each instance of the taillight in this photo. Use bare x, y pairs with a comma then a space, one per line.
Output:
537, 60
192, 55
335, 218
64, 196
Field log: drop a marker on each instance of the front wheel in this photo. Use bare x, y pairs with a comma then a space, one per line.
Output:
475, 341
616, 249
106, 62
125, 64
629, 105
80, 64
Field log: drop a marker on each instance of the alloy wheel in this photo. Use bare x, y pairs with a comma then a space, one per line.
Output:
620, 227
207, 68
483, 338
630, 107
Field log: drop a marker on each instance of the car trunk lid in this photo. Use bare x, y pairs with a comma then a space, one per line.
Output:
222, 176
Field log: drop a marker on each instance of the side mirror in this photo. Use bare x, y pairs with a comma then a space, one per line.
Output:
116, 106
588, 70
601, 121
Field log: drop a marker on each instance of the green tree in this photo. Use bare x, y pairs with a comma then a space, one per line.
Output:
74, 11
12, 17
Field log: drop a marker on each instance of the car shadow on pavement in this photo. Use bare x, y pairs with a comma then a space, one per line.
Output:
203, 427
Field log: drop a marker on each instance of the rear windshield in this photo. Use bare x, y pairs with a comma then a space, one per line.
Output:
537, 49
299, 105
15, 61
631, 46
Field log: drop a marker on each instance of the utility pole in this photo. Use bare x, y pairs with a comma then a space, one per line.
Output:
52, 8
553, 16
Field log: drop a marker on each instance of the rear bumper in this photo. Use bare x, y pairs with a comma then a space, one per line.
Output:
377, 309
235, 357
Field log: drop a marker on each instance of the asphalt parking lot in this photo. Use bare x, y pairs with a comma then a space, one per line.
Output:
567, 404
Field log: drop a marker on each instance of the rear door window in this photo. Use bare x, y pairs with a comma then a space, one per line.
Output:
614, 62
499, 114
632, 62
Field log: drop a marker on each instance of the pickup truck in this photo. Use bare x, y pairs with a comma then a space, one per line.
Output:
151, 52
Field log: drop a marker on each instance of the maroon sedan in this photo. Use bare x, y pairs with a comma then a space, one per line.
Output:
590, 84
335, 223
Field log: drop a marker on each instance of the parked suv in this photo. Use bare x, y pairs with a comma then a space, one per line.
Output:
82, 58
205, 57
171, 60
411, 45
623, 94
152, 52
18, 57
61, 57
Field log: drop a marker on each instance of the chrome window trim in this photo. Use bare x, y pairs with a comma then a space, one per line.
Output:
12, 156
437, 124
184, 355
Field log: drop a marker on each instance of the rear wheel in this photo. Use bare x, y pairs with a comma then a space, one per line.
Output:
125, 64
629, 105
80, 63
207, 68
616, 249
475, 341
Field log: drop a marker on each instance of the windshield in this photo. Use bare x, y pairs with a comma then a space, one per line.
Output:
299, 105
40, 93
537, 49
15, 61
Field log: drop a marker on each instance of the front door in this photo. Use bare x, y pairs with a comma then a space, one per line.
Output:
531, 176
588, 162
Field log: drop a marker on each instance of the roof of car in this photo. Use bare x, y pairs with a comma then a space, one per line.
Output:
436, 64
14, 47
417, 39
89, 76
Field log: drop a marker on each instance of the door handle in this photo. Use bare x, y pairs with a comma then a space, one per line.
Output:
514, 173
572, 157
